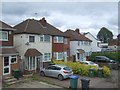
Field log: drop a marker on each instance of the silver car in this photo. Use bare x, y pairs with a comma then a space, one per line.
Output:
59, 71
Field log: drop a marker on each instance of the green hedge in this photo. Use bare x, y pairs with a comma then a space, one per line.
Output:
83, 69
111, 55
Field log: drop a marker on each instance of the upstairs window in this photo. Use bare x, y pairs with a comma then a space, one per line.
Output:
31, 38
3, 36
65, 41
45, 38
58, 39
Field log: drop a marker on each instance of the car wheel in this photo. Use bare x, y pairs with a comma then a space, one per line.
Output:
60, 77
42, 74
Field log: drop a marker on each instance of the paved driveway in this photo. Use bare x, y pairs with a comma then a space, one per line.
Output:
94, 82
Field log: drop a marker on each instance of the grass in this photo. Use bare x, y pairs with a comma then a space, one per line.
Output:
111, 55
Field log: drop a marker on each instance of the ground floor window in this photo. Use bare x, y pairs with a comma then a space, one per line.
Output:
13, 59
58, 55
47, 56
31, 62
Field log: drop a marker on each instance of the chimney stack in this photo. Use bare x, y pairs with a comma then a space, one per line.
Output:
43, 21
77, 30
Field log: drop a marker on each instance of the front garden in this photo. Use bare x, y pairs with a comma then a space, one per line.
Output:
83, 69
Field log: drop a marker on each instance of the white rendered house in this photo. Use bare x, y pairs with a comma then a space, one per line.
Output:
80, 46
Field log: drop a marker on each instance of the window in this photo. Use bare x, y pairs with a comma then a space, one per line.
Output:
47, 56
13, 59
65, 41
31, 38
45, 38
3, 35
42, 38
58, 55
81, 42
58, 39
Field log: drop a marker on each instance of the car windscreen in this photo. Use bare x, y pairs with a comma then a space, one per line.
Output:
67, 68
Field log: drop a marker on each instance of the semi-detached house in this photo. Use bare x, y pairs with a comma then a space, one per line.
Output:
80, 46
9, 58
37, 42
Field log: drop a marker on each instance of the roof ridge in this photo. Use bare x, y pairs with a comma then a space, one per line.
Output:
26, 25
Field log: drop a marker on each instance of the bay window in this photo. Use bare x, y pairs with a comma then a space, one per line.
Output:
45, 38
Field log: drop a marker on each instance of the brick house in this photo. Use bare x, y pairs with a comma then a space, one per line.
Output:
80, 46
9, 58
114, 45
37, 42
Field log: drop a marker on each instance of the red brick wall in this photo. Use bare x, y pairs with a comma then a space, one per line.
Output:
10, 39
61, 47
16, 65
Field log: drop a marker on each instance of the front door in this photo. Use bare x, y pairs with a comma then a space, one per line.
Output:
6, 65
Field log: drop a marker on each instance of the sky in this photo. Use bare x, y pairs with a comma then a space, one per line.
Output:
87, 16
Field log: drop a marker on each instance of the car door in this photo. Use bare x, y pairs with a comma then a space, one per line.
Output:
48, 71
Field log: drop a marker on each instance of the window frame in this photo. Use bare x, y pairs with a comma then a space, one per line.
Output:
57, 55
48, 57
57, 38
1, 39
65, 40
33, 39
11, 57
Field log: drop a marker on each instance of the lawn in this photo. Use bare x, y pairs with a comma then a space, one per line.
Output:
111, 55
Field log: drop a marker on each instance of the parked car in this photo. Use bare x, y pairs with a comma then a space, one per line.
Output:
106, 50
89, 63
103, 59
58, 71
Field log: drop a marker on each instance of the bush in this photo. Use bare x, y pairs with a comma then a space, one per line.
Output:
83, 69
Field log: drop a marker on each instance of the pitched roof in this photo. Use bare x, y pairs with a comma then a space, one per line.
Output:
31, 26
76, 36
32, 52
5, 26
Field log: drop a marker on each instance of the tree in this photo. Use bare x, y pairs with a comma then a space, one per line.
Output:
105, 35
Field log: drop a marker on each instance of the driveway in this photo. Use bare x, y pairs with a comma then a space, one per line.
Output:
95, 82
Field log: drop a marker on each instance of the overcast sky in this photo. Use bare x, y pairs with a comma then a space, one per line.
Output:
87, 16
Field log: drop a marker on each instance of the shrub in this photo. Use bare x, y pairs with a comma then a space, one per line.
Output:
83, 69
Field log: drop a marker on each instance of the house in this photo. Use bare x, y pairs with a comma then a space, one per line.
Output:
114, 45
80, 46
94, 43
37, 42
9, 58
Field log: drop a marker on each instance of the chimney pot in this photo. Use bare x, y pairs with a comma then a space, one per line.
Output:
77, 30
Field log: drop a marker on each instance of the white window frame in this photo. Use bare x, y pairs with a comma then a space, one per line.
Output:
65, 40
48, 57
1, 39
56, 39
11, 59
28, 63
43, 36
6, 66
57, 55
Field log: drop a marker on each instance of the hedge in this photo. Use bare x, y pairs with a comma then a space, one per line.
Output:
83, 69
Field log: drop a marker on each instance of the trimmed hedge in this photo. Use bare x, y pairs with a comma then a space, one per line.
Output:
83, 69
